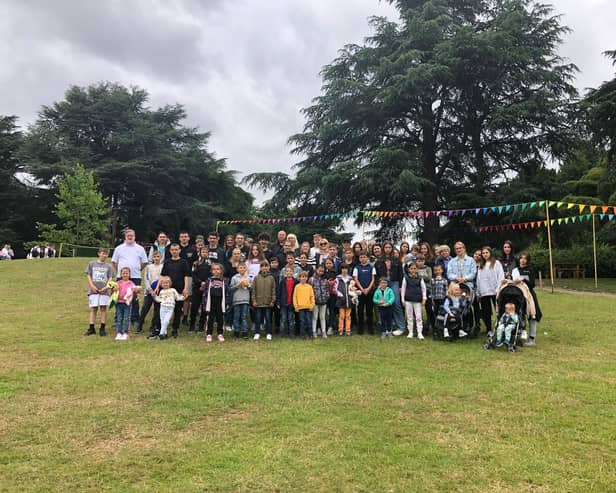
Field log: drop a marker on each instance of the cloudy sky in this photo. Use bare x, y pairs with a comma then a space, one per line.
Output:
242, 68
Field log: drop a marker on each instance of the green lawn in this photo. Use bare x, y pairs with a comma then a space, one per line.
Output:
604, 285
358, 414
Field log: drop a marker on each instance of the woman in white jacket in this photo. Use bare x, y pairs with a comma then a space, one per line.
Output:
489, 276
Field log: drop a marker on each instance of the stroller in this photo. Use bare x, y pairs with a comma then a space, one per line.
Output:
448, 327
510, 294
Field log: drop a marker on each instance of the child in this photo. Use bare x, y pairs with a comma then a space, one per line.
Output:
152, 273
276, 274
506, 325
167, 297
438, 292
304, 265
453, 306
413, 292
290, 257
284, 300
216, 301
321, 296
303, 302
384, 299
126, 289
240, 290
345, 298
99, 273
330, 274
254, 260
425, 272
364, 275
263, 299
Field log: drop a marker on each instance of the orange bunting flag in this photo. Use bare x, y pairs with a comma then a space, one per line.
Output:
592, 209
604, 209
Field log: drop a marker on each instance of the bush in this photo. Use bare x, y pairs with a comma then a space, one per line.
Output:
577, 254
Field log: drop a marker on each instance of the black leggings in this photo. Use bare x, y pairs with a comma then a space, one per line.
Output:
216, 315
487, 302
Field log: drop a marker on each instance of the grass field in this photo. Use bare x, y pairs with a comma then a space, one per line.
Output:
358, 414
604, 285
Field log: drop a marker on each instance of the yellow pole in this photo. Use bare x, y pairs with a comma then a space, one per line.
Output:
217, 223
60, 251
594, 249
547, 214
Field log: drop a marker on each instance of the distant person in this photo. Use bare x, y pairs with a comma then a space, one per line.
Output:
49, 251
131, 255
127, 291
7, 252
303, 302
216, 302
152, 273
527, 274
99, 273
240, 292
179, 271
263, 299
161, 245
35, 252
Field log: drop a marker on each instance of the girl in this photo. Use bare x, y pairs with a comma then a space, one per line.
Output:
345, 297
331, 274
167, 296
453, 306
152, 273
253, 262
413, 293
426, 251
215, 301
229, 245
126, 289
425, 273
508, 259
234, 261
477, 258
320, 287
525, 272
489, 276
405, 248
357, 249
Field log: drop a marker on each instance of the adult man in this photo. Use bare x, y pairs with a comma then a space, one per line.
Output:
462, 268
240, 243
132, 255
161, 245
215, 253
189, 253
278, 247
178, 270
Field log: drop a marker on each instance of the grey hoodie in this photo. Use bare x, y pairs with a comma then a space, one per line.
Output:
241, 295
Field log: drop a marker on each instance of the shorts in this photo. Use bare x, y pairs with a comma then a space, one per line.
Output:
96, 300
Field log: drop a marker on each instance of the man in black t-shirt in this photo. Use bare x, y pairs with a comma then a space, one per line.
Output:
178, 270
189, 253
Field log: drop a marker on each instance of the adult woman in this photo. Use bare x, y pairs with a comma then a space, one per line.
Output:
508, 259
294, 243
357, 249
426, 251
234, 260
526, 273
462, 268
489, 277
405, 247
389, 267
253, 261
476, 305
229, 245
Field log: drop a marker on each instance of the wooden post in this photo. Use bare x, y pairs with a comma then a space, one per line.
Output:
363, 226
549, 225
217, 223
594, 249
60, 250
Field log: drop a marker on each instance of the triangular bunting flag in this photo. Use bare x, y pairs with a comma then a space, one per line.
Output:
604, 209
559, 204
524, 206
581, 207
542, 203
570, 206
592, 209
485, 210
532, 204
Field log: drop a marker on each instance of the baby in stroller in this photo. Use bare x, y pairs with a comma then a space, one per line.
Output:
507, 324
453, 317
511, 312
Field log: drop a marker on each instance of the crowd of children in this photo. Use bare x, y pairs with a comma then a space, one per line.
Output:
291, 289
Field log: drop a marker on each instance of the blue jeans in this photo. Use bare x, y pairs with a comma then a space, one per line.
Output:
305, 322
123, 313
287, 319
398, 311
240, 318
386, 316
261, 313
134, 313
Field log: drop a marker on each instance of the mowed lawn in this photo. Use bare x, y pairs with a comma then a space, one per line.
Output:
358, 414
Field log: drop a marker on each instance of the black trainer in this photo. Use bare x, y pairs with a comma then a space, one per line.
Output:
191, 328
162, 337
174, 334
89, 332
185, 321
102, 333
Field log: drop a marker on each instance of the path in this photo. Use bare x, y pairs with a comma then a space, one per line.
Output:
574, 291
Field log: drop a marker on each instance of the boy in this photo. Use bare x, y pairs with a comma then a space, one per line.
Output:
506, 325
345, 299
99, 273
384, 299
303, 302
364, 275
263, 299
290, 256
179, 271
240, 290
438, 292
284, 301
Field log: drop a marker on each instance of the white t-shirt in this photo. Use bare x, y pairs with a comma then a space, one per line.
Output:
131, 256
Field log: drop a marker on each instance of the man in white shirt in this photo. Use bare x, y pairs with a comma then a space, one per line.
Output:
131, 255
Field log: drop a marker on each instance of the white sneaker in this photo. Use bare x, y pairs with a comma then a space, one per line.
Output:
398, 332
268, 337
330, 332
118, 337
462, 333
446, 333
257, 337
410, 336
228, 328
524, 335
420, 336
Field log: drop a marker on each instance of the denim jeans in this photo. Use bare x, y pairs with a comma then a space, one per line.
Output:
123, 313
305, 322
263, 312
240, 318
287, 320
386, 315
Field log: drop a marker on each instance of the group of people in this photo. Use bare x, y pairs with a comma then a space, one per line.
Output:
295, 289
7, 252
